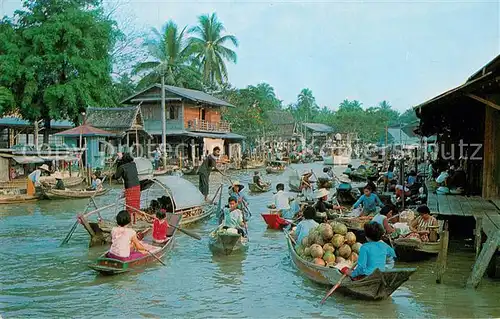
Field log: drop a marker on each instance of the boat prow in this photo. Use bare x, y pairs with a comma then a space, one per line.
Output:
226, 243
379, 285
275, 221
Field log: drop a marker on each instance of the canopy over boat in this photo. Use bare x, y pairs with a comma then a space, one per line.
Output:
184, 194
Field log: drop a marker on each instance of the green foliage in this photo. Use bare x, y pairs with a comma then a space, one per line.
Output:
56, 58
209, 47
171, 56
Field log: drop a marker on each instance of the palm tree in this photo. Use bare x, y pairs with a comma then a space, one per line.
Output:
210, 50
171, 58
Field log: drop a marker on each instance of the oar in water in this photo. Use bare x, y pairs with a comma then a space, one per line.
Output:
73, 228
155, 257
187, 232
330, 292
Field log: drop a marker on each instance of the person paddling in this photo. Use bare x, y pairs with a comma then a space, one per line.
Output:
209, 164
127, 170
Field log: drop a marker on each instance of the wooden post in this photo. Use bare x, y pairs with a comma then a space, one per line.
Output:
489, 249
443, 254
478, 235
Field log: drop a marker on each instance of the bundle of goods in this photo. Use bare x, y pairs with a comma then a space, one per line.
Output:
355, 222
329, 245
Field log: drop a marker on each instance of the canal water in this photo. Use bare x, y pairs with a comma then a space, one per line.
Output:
40, 279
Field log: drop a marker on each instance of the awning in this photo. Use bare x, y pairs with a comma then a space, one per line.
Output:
66, 158
318, 127
227, 136
28, 159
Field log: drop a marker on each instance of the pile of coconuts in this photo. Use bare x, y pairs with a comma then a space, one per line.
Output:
329, 244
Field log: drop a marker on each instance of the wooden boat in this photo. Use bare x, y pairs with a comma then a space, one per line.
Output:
72, 194
50, 181
325, 183
185, 198
257, 189
226, 243
275, 221
377, 286
190, 170
111, 266
410, 250
274, 170
294, 181
17, 199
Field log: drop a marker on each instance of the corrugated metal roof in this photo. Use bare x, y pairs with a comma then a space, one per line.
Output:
318, 127
28, 159
16, 121
85, 130
193, 95
401, 137
228, 135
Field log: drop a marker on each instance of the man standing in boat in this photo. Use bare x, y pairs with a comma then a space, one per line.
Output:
127, 170
209, 164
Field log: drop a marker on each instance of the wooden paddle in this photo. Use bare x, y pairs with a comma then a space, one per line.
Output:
330, 292
187, 232
153, 255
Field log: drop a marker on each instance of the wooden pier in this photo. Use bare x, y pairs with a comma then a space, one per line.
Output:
487, 216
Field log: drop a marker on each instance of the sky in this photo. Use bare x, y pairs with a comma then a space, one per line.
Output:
404, 52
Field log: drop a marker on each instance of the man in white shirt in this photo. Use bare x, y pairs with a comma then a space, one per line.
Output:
281, 202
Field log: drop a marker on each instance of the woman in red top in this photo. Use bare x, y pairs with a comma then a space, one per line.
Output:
160, 227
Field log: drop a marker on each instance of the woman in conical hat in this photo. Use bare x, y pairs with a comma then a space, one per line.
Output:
235, 191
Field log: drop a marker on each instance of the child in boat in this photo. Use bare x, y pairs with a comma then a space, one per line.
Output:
369, 201
160, 227
124, 242
233, 217
382, 218
305, 226
374, 254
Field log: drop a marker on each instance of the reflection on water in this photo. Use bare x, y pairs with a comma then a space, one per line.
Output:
40, 279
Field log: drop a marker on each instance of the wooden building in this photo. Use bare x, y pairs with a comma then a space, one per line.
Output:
466, 121
193, 122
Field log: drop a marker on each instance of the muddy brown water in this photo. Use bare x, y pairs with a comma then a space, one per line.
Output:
40, 279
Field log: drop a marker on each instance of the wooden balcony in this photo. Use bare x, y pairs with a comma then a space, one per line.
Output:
205, 126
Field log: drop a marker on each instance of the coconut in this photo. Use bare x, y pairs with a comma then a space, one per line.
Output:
337, 240
319, 262
307, 251
300, 250
353, 257
355, 247
345, 251
339, 260
319, 240
333, 225
327, 232
305, 242
329, 257
340, 229
328, 247
350, 238
316, 251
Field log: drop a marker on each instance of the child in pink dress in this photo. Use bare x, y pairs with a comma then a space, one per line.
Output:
124, 242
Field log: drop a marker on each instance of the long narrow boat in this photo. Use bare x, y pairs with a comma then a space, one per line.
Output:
68, 181
111, 266
410, 250
17, 198
185, 198
72, 194
275, 221
226, 243
257, 189
274, 170
377, 286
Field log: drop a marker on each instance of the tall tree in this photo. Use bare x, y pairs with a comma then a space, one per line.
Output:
209, 45
170, 57
306, 108
64, 61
